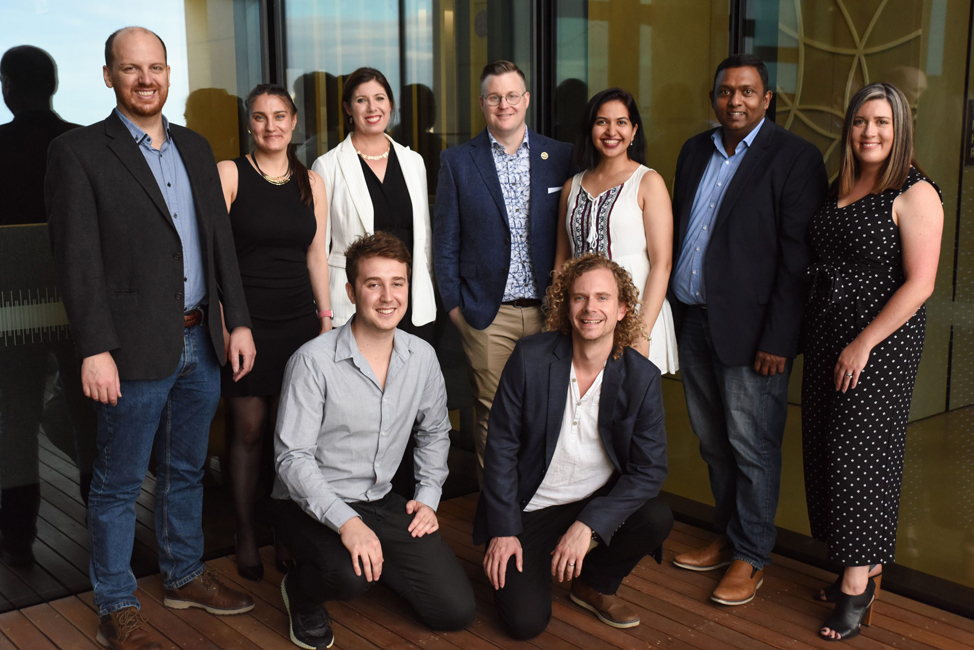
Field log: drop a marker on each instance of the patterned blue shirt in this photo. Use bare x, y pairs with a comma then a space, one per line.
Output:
688, 284
170, 173
514, 174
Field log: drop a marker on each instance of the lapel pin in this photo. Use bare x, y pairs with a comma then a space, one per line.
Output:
544, 155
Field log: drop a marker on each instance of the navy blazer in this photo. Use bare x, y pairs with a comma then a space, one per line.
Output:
525, 422
471, 230
755, 262
118, 256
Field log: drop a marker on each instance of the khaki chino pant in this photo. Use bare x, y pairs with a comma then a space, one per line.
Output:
487, 353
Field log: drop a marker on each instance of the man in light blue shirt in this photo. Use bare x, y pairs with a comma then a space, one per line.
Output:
742, 200
351, 399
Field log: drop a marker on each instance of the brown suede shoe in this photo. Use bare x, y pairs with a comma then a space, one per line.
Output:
206, 592
611, 610
126, 630
738, 585
713, 556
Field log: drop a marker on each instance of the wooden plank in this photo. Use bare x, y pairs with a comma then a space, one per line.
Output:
79, 615
22, 632
63, 545
59, 630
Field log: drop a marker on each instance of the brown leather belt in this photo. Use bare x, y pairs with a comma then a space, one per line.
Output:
193, 318
523, 302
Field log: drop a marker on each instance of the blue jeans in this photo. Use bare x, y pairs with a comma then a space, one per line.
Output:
170, 417
739, 416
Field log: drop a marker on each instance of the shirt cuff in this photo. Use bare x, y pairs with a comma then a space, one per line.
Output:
338, 514
428, 496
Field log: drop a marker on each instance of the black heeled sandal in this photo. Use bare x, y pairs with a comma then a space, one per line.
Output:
831, 593
850, 613
254, 573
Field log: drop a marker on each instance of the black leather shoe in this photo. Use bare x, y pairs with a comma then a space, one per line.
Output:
309, 628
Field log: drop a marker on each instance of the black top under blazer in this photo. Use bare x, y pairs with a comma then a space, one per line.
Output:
755, 262
118, 256
525, 421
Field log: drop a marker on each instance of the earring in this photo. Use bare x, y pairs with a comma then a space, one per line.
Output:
632, 142
249, 132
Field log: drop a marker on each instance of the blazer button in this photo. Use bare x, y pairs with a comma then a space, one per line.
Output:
179, 295
177, 256
507, 241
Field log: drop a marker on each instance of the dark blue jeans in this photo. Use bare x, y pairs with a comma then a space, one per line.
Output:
170, 417
739, 417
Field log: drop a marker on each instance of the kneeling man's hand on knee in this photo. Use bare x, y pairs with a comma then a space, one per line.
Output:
499, 552
425, 520
567, 558
362, 544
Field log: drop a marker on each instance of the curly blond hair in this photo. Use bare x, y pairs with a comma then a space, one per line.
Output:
627, 331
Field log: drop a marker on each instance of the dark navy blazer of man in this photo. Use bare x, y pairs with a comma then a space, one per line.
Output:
471, 232
525, 424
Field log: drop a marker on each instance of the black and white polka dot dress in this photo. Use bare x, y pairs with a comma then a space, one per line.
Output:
853, 443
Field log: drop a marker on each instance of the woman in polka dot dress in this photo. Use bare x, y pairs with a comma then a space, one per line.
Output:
875, 246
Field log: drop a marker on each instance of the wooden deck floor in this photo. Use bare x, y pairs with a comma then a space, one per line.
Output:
673, 605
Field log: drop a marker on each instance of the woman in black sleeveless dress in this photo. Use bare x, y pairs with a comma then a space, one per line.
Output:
875, 246
278, 214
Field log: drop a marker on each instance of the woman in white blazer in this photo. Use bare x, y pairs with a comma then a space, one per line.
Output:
374, 183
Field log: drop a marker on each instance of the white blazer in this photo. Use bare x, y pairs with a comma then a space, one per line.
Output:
351, 215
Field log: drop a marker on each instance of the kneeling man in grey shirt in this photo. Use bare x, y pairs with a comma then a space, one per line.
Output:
350, 400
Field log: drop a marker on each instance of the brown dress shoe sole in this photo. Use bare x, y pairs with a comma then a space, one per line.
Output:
739, 602
174, 603
582, 603
692, 567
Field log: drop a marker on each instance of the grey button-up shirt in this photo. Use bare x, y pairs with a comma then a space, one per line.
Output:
173, 179
340, 437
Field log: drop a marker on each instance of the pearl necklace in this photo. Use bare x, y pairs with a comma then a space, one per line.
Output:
381, 157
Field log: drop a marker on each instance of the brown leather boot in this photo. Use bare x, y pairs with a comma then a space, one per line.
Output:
738, 585
207, 592
610, 609
126, 630
713, 556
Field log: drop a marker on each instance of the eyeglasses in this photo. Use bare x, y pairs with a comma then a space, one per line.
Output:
512, 99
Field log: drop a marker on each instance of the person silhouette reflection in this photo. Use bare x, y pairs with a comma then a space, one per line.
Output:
28, 78
417, 115
318, 96
219, 117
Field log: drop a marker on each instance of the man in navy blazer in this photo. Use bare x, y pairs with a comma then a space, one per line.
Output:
494, 231
742, 200
576, 455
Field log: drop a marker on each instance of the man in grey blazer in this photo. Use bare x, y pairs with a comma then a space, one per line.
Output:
144, 259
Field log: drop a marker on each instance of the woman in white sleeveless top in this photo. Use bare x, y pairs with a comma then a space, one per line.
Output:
621, 208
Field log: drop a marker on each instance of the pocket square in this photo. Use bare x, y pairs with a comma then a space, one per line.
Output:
552, 190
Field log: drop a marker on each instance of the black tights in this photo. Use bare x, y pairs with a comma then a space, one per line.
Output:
249, 417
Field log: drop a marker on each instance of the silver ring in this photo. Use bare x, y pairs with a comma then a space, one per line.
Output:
849, 375
571, 564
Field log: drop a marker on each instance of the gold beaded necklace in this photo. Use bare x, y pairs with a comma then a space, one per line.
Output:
273, 180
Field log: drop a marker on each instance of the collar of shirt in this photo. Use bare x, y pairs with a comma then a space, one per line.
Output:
347, 348
494, 144
718, 138
140, 135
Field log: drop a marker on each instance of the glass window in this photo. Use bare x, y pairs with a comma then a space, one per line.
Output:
640, 46
431, 53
